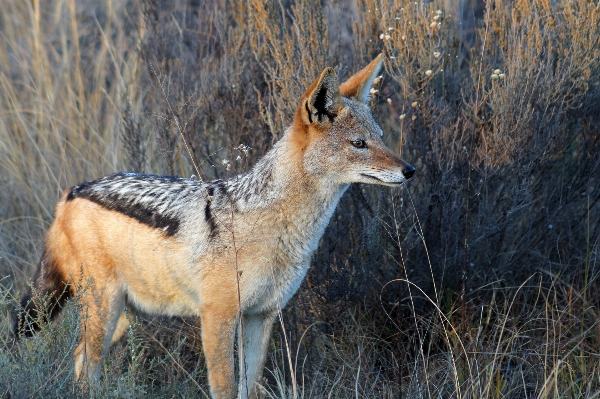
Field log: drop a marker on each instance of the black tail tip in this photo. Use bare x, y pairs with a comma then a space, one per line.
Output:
27, 317
36, 310
24, 329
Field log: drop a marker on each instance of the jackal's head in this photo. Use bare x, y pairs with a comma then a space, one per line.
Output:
337, 137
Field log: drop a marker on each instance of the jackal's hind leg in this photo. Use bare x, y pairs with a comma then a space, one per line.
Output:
101, 309
256, 330
125, 320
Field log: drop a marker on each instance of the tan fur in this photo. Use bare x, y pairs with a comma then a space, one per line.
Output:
238, 280
360, 81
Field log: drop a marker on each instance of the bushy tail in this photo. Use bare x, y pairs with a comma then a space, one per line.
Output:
44, 298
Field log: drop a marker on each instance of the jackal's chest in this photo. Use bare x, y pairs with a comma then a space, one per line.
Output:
268, 290
267, 252
274, 266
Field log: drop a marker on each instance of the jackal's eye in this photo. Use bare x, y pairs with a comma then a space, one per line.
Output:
359, 143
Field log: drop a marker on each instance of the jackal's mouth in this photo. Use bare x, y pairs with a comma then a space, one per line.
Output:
387, 183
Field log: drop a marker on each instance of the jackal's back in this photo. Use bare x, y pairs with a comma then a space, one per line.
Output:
156, 201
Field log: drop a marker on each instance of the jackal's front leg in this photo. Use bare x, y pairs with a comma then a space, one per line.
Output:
256, 331
218, 334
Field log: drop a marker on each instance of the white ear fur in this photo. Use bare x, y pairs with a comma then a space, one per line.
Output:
358, 86
364, 92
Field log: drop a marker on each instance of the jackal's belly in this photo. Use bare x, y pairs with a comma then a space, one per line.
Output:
114, 252
157, 277
161, 287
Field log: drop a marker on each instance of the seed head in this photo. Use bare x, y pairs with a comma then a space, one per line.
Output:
494, 76
433, 25
436, 54
402, 116
243, 148
414, 104
497, 71
429, 72
502, 76
413, 117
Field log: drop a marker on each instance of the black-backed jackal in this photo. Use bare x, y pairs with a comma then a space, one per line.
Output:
230, 251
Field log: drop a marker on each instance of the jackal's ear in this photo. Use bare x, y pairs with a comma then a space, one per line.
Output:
322, 101
359, 85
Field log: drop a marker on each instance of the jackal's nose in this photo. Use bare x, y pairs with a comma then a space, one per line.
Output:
409, 171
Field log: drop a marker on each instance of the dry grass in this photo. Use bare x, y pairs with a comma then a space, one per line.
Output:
478, 280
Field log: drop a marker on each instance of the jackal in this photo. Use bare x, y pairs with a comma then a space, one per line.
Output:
230, 251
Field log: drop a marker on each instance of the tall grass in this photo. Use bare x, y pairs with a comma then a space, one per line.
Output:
480, 279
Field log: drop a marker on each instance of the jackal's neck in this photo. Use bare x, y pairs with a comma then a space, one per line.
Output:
279, 183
